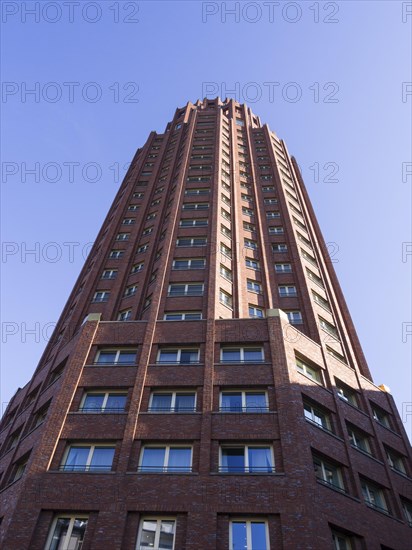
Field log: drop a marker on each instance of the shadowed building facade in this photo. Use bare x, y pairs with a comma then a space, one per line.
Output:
204, 387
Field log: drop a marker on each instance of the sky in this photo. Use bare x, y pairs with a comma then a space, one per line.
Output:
83, 84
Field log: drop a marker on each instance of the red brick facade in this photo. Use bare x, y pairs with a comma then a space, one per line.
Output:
340, 469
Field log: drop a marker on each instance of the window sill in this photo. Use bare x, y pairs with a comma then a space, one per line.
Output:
365, 453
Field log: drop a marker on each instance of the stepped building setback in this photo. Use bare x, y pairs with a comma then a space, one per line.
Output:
205, 388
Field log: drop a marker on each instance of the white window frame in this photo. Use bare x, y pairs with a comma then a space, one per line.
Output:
248, 531
295, 317
308, 369
255, 309
189, 263
158, 521
106, 393
124, 315
178, 355
116, 254
316, 411
192, 240
137, 268
279, 250
242, 353
173, 402
111, 272
122, 237
243, 393
167, 447
355, 437
183, 315
324, 466
225, 298
249, 243
116, 359
252, 264
196, 222
338, 538
347, 394
130, 291
103, 298
195, 206
290, 291
128, 221
367, 488
186, 289
246, 447
281, 268
73, 518
254, 286
92, 447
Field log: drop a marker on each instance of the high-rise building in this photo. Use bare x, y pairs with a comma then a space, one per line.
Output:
205, 387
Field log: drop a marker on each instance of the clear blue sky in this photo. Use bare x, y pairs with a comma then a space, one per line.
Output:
335, 97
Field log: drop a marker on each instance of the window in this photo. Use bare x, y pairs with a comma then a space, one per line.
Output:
269, 201
147, 302
395, 460
249, 227
176, 401
124, 315
226, 231
142, 248
295, 317
109, 274
283, 268
137, 267
243, 401
103, 402
19, 468
166, 458
122, 236
311, 371
407, 510
199, 222
247, 211
247, 198
181, 356
328, 472
250, 244
87, 458
128, 221
158, 534
359, 439
191, 241
317, 415
147, 231
279, 248
225, 298
268, 189
381, 416
336, 355
254, 286
67, 532
138, 195
183, 316
321, 301
189, 263
252, 264
116, 254
225, 272
328, 327
241, 355
248, 535
201, 191
101, 296
374, 495
40, 415
195, 206
225, 250
256, 312
341, 541
313, 277
189, 289
116, 357
130, 291
346, 393
246, 459
287, 291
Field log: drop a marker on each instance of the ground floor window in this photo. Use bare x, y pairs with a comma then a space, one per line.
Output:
67, 532
248, 535
157, 534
